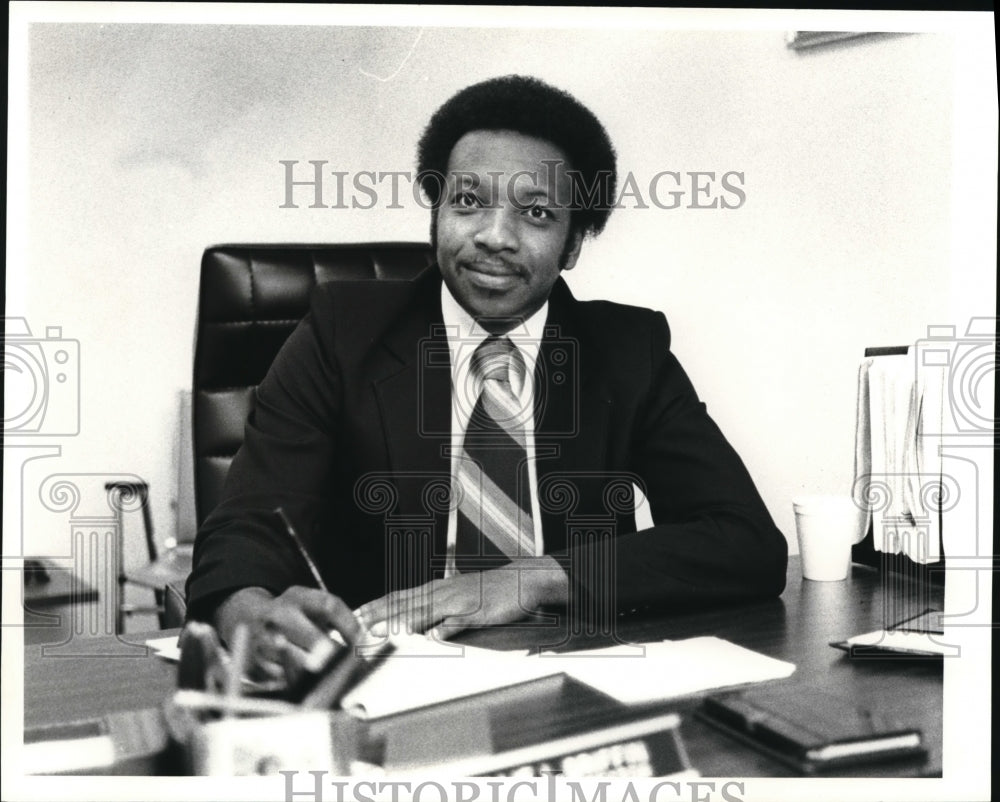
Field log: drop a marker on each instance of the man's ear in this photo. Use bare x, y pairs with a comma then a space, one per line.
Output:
572, 252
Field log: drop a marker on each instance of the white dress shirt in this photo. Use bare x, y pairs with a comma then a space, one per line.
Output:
464, 337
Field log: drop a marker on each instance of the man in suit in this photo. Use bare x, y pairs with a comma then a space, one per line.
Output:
460, 450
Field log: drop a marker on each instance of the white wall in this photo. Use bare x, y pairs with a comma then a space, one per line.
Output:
149, 142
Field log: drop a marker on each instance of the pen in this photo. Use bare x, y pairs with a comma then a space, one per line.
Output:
334, 635
302, 549
321, 653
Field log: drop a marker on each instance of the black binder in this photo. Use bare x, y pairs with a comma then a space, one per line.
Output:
812, 731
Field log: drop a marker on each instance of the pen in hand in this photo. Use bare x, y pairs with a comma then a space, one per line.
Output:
329, 672
321, 652
300, 546
302, 549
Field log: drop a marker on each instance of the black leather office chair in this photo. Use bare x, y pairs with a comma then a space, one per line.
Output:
251, 297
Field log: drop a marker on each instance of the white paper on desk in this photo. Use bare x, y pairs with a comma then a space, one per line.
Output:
167, 648
902, 640
669, 668
424, 672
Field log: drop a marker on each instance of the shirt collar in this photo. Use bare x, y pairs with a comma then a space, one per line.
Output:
465, 333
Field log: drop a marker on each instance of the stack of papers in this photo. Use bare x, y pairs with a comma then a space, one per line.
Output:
668, 669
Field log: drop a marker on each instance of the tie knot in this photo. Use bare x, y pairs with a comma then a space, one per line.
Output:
497, 359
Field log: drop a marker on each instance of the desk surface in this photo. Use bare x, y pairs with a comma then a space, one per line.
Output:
51, 594
48, 585
797, 627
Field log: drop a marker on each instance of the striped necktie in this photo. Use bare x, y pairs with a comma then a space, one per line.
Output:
494, 509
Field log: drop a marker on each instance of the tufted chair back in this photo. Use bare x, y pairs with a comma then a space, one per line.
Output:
251, 298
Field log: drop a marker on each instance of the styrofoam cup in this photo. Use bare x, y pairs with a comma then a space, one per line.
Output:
827, 527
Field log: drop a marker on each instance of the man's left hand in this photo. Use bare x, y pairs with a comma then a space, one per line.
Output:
445, 607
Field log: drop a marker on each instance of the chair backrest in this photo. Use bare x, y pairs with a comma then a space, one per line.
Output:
251, 298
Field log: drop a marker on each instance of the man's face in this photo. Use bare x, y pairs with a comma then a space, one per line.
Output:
503, 228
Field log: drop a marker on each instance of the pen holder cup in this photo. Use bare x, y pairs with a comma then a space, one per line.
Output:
307, 740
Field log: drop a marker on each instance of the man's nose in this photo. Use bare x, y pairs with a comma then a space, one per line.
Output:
497, 232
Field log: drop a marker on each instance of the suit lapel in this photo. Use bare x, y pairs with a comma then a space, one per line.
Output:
412, 382
572, 413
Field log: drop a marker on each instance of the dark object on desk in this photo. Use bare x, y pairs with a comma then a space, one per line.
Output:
553, 724
35, 573
345, 671
809, 730
53, 600
47, 585
205, 665
927, 622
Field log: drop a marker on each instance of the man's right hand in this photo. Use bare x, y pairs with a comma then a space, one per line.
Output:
289, 633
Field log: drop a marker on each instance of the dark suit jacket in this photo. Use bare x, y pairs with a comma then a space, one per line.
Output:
350, 434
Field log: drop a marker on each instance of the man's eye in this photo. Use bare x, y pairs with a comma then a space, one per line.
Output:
466, 200
538, 213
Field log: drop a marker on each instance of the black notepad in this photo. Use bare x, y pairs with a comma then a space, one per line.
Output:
810, 730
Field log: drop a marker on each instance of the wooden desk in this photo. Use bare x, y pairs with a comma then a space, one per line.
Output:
797, 627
